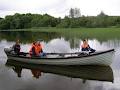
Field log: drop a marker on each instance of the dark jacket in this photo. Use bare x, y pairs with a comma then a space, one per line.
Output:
16, 48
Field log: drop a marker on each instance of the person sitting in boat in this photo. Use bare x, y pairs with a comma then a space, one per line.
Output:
40, 49
85, 47
16, 47
33, 50
36, 49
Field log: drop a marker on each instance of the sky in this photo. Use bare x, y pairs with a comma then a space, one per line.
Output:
59, 8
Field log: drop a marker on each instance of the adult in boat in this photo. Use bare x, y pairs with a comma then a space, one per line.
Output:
85, 47
33, 50
16, 47
40, 50
36, 49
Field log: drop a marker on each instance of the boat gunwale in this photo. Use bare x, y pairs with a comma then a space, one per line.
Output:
70, 57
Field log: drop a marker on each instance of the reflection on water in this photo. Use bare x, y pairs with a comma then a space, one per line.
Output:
28, 36
100, 73
18, 70
57, 78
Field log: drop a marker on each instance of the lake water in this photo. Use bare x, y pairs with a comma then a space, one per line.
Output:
57, 78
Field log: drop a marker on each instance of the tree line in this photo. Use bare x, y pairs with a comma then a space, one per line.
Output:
74, 20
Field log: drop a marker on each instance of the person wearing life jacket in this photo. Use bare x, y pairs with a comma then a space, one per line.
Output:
40, 50
85, 46
33, 50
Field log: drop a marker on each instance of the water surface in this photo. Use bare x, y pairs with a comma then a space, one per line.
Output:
52, 80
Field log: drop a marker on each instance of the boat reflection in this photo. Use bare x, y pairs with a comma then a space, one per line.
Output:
100, 73
18, 70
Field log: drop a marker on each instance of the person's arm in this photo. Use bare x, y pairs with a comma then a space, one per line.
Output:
33, 51
88, 46
13, 47
19, 48
41, 50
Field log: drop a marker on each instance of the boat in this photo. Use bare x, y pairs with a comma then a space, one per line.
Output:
84, 72
79, 58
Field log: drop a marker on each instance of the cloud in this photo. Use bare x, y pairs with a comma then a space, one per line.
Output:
59, 8
54, 7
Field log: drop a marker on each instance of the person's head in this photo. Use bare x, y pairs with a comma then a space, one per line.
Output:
17, 41
38, 42
34, 42
85, 41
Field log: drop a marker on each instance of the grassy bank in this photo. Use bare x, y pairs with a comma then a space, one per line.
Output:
101, 34
98, 33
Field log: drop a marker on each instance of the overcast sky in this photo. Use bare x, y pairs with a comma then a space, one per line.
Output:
59, 8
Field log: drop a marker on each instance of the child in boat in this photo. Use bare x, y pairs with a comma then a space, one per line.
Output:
16, 47
85, 47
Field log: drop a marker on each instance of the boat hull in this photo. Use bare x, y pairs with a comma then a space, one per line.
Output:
102, 58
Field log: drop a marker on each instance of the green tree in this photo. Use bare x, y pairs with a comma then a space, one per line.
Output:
64, 23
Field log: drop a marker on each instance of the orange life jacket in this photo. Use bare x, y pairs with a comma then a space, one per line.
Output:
38, 49
85, 46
